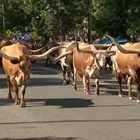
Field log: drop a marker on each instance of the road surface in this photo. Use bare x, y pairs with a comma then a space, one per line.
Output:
56, 112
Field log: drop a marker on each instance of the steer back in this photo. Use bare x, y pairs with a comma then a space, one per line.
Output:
121, 61
128, 62
69, 46
19, 70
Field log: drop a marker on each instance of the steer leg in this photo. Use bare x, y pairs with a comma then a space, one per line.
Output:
119, 77
68, 75
64, 68
75, 79
72, 76
22, 101
86, 85
15, 89
129, 83
137, 80
97, 85
9, 88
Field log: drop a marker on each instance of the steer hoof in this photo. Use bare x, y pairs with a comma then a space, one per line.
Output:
17, 102
97, 92
131, 98
22, 105
138, 101
64, 83
120, 95
88, 93
68, 82
74, 87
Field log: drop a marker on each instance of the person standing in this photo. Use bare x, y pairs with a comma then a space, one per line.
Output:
28, 37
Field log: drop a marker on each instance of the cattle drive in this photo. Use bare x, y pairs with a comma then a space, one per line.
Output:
86, 62
77, 59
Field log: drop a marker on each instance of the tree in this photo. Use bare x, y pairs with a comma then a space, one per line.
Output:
110, 17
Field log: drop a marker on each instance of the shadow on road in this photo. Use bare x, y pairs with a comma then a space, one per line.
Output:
44, 82
5, 101
63, 102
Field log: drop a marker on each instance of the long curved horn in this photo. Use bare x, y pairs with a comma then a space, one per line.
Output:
63, 55
110, 51
84, 50
121, 49
44, 55
94, 52
34, 51
7, 56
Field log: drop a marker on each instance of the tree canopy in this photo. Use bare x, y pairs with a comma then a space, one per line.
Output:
52, 18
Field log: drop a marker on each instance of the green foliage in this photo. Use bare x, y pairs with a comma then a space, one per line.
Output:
52, 18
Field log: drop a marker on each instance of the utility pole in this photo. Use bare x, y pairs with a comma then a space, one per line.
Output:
89, 20
3, 17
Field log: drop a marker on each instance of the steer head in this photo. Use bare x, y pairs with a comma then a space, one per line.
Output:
23, 64
98, 55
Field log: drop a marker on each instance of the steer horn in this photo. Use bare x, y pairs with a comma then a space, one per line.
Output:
8, 57
84, 50
34, 51
121, 49
63, 55
44, 55
93, 51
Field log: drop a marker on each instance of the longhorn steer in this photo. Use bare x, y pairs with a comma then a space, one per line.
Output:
128, 62
17, 62
87, 62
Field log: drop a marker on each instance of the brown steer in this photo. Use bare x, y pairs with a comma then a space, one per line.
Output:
128, 62
17, 62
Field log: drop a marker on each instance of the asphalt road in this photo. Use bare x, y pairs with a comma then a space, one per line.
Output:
56, 112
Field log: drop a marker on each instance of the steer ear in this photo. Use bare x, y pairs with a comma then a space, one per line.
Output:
33, 61
14, 61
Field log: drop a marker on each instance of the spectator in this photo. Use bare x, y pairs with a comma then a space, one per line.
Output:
28, 37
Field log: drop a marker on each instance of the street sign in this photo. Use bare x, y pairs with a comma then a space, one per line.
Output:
8, 33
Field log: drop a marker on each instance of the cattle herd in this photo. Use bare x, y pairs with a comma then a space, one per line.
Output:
77, 59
